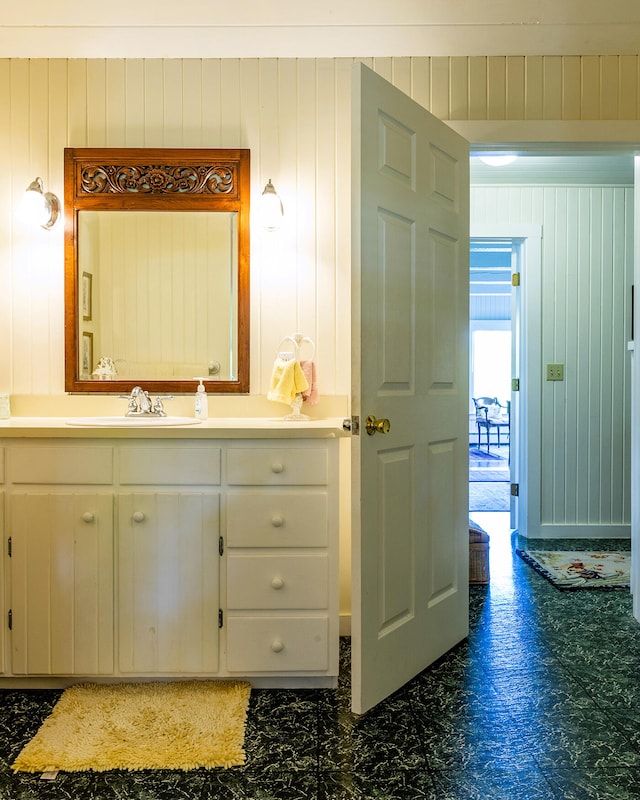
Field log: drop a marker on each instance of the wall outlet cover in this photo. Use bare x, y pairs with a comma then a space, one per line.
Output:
555, 372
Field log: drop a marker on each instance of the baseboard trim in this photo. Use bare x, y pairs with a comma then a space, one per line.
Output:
549, 531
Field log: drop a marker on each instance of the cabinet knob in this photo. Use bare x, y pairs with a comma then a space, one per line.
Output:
277, 645
277, 520
277, 583
88, 516
277, 467
138, 516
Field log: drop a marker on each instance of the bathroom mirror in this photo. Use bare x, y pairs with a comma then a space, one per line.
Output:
156, 269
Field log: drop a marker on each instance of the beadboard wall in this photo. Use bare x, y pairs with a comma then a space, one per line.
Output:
584, 319
294, 115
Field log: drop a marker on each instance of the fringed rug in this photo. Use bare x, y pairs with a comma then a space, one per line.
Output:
180, 725
581, 569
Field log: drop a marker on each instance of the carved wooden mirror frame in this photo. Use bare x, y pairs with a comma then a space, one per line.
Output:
154, 179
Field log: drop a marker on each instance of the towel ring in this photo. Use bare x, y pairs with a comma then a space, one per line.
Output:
298, 341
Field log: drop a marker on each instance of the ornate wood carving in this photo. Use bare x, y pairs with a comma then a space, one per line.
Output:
158, 179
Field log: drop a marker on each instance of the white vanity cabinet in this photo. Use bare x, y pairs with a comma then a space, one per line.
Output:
168, 559
280, 515
2, 582
139, 556
60, 554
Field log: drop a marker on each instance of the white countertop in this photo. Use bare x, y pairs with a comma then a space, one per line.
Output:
218, 428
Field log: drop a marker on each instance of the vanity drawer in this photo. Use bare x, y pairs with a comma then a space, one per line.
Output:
279, 466
277, 581
61, 465
277, 644
277, 519
180, 466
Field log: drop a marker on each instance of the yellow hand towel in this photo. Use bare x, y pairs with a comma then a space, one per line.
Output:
287, 380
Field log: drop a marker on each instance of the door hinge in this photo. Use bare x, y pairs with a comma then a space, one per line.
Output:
10, 619
515, 279
9, 547
220, 545
515, 490
220, 617
351, 424
515, 384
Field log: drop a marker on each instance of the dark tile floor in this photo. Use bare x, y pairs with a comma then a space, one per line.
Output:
541, 702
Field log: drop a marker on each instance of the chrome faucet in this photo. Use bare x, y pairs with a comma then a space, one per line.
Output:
140, 404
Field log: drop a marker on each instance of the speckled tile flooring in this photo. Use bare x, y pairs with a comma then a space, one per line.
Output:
542, 702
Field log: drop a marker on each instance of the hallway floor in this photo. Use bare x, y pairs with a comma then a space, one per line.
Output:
541, 702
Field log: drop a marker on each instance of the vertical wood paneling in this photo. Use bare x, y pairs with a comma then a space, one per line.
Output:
609, 87
323, 319
586, 275
590, 89
496, 87
459, 88
440, 87
552, 87
477, 88
421, 84
534, 87
515, 88
294, 115
341, 344
570, 87
628, 94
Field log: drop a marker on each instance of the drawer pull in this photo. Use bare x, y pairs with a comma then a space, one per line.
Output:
277, 645
277, 583
138, 516
277, 467
88, 516
277, 521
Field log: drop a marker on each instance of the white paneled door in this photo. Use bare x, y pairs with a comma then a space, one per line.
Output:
410, 313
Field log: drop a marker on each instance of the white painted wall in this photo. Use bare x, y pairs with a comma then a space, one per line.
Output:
294, 115
584, 321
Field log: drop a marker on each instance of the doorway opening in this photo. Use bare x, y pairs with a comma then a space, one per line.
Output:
492, 358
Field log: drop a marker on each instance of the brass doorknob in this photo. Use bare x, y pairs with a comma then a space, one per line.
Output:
374, 425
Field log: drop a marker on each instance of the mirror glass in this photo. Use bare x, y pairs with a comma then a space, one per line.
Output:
157, 291
156, 282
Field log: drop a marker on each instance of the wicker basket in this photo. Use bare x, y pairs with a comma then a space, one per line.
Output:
478, 555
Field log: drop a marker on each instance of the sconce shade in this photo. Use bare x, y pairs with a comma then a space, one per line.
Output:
271, 208
39, 207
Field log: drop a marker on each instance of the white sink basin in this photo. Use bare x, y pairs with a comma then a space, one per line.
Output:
131, 422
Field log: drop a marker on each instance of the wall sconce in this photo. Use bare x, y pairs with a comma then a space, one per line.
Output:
39, 207
271, 208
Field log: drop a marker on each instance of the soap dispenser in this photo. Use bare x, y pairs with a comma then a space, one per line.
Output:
202, 403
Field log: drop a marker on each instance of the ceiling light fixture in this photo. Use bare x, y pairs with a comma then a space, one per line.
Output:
498, 161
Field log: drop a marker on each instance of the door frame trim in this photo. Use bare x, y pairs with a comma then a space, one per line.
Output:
529, 237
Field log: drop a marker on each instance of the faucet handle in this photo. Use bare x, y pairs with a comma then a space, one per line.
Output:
158, 408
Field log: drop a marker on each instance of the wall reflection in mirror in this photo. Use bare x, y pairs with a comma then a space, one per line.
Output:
156, 294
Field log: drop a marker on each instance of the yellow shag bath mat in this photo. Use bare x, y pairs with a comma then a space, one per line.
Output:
182, 725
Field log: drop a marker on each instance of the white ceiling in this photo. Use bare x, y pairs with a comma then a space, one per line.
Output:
299, 28
606, 169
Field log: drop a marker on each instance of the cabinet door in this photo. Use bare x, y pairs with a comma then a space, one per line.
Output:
62, 583
3, 538
168, 566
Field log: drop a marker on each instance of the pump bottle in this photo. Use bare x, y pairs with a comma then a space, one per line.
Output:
202, 403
